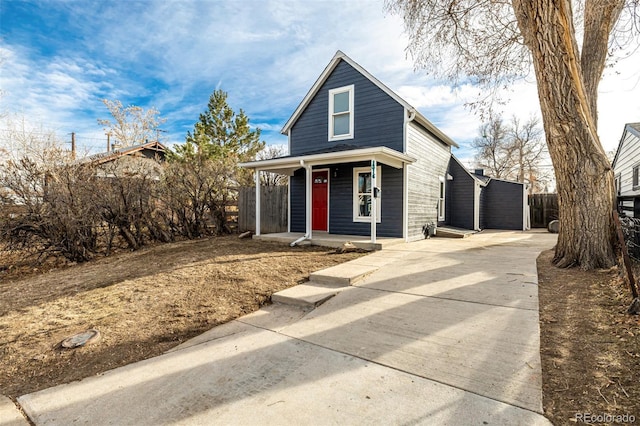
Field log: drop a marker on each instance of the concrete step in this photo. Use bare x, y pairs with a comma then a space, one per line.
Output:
306, 295
345, 274
323, 285
448, 232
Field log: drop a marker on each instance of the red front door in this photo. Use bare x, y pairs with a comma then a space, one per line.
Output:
319, 200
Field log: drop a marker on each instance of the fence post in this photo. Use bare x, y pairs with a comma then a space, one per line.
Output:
626, 260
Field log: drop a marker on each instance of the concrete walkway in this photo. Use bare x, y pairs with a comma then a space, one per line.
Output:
436, 332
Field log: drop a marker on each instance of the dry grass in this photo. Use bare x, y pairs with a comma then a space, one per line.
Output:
143, 303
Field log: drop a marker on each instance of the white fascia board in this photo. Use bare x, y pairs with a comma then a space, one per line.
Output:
382, 154
312, 92
433, 129
476, 179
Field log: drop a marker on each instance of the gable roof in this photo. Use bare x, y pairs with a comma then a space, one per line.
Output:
105, 157
483, 180
634, 129
473, 176
340, 56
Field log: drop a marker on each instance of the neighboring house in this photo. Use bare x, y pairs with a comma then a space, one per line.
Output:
362, 161
626, 169
131, 159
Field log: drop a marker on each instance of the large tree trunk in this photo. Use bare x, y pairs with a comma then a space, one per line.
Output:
599, 18
583, 174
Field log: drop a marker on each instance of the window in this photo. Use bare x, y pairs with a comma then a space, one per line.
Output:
636, 169
362, 194
618, 185
341, 113
441, 199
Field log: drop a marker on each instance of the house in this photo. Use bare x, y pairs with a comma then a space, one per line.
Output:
363, 161
133, 159
626, 169
153, 150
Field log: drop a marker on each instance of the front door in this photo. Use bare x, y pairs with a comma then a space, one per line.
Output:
320, 200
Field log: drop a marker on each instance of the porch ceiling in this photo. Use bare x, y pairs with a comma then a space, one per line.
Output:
288, 165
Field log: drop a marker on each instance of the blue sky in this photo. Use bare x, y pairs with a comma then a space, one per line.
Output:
61, 58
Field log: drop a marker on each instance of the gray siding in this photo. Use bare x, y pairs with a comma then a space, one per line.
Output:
628, 157
424, 178
460, 197
503, 205
378, 118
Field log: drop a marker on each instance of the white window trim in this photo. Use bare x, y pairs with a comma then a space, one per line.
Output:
332, 92
356, 199
442, 203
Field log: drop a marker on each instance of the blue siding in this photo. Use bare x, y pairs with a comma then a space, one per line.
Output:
341, 201
298, 201
483, 205
341, 204
460, 197
378, 118
503, 206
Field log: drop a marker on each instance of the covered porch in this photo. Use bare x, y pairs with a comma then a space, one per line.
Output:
336, 196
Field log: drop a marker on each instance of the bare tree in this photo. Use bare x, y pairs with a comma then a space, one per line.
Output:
495, 42
272, 179
527, 146
511, 151
131, 125
125, 195
493, 151
74, 208
196, 193
51, 194
24, 139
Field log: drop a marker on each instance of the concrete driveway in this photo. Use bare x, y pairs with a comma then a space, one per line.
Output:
442, 331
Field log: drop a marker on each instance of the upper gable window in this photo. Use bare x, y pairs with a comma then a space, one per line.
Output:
341, 113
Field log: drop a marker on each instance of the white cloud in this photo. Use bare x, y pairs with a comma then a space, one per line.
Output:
265, 54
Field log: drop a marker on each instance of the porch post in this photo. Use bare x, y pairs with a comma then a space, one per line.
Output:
373, 202
308, 177
257, 202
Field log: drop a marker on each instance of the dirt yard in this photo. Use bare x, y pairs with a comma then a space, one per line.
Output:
143, 303
590, 346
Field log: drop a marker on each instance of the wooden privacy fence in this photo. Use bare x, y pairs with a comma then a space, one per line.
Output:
543, 209
273, 209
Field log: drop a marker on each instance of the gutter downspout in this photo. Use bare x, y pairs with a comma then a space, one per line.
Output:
405, 175
412, 115
307, 235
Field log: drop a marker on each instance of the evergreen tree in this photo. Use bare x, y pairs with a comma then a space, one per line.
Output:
222, 135
204, 171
